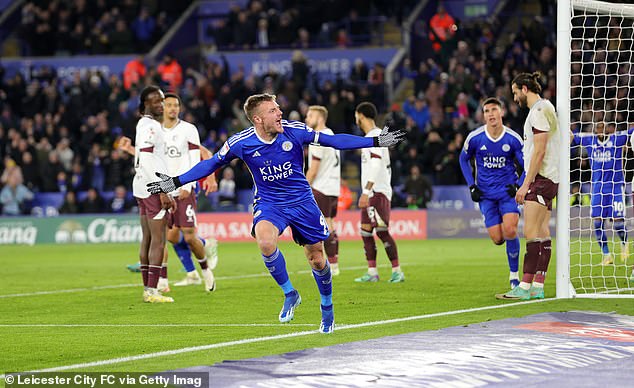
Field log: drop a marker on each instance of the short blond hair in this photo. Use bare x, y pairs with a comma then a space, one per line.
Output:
252, 103
321, 109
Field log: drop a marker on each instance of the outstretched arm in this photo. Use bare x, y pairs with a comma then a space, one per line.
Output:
168, 184
386, 138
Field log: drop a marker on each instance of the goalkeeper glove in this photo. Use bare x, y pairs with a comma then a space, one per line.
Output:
167, 184
511, 189
476, 193
389, 138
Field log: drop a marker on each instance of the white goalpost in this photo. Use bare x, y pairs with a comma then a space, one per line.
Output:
595, 84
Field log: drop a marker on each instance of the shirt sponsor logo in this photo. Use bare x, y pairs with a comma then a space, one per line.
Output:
601, 156
173, 152
494, 161
276, 172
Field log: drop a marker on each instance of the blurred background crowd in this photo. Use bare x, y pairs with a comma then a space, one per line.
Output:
61, 134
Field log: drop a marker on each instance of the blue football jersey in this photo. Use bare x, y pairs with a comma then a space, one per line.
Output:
606, 157
277, 166
494, 160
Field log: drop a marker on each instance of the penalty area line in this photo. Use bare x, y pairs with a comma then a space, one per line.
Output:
191, 349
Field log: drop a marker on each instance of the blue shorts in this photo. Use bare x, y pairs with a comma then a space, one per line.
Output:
493, 210
610, 204
305, 219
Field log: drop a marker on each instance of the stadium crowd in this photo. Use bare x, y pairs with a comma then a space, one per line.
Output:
62, 134
83, 27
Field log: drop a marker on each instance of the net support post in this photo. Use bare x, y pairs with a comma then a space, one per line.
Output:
563, 111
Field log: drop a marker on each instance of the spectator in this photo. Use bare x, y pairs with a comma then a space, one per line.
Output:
62, 182
243, 32
442, 27
70, 205
50, 172
447, 166
120, 203
14, 194
227, 188
303, 39
93, 202
143, 28
345, 197
31, 172
171, 72
359, 72
65, 154
121, 38
417, 109
262, 34
134, 72
117, 170
284, 33
418, 189
77, 180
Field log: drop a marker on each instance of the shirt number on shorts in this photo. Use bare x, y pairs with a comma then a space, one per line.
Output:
322, 222
619, 206
190, 213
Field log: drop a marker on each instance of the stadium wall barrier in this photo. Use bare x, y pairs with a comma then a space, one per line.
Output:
328, 64
66, 67
229, 227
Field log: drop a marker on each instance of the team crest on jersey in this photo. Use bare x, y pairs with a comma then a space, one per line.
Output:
506, 148
287, 146
223, 151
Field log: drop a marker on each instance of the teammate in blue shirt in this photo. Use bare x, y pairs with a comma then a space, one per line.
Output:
273, 151
495, 148
605, 152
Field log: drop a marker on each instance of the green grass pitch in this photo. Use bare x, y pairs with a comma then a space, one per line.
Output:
441, 276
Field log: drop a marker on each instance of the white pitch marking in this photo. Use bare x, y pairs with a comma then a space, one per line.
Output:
96, 288
153, 325
271, 338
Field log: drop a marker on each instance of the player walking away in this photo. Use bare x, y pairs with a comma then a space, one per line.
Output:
374, 202
153, 209
273, 151
605, 151
324, 176
495, 148
182, 144
541, 163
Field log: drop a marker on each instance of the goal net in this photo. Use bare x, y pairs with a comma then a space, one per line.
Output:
600, 48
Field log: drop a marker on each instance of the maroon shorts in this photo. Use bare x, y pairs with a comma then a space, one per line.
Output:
378, 211
327, 204
542, 191
151, 207
185, 214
